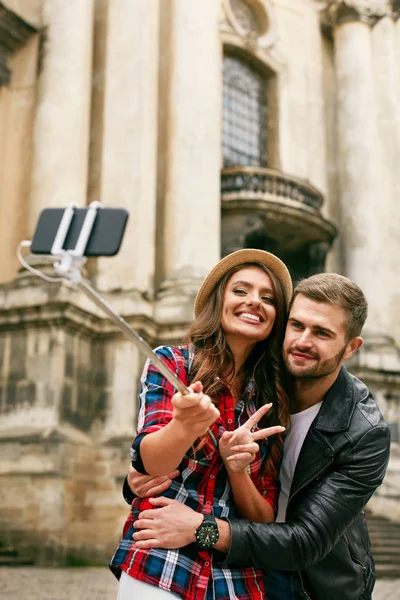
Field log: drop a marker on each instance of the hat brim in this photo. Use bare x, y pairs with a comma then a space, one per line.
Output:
246, 255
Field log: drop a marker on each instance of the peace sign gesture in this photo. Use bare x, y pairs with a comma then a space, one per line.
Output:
239, 448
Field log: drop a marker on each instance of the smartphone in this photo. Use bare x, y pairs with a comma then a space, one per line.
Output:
105, 238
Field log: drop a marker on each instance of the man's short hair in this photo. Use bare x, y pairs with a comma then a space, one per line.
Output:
331, 288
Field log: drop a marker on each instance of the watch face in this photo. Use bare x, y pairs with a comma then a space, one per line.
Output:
207, 535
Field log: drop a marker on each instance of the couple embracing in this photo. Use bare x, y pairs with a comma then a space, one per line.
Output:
257, 479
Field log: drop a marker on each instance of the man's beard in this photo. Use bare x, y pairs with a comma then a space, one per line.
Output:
319, 369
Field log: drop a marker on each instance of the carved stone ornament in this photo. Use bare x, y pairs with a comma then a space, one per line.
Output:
246, 17
250, 20
14, 32
339, 11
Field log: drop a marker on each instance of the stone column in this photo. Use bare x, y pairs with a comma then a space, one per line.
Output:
128, 154
362, 197
18, 72
396, 17
387, 86
61, 136
192, 195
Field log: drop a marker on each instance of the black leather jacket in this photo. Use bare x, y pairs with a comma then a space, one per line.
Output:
341, 463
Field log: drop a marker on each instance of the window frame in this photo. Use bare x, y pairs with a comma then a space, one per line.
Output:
270, 152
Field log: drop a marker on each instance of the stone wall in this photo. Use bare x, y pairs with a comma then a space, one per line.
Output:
68, 392
61, 498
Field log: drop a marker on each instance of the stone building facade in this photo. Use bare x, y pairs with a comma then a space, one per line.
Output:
219, 124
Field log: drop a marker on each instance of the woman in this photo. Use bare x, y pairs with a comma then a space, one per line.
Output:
234, 350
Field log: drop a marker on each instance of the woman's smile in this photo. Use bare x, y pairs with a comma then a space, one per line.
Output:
252, 317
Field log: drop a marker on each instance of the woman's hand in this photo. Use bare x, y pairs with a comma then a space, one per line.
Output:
194, 412
162, 451
239, 448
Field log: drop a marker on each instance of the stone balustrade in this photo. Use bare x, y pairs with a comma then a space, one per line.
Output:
269, 184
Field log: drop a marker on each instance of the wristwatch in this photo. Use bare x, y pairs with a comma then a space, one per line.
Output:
207, 533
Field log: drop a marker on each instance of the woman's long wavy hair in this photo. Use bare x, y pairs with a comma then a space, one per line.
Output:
213, 358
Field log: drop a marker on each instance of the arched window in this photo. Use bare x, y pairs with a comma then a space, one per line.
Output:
244, 135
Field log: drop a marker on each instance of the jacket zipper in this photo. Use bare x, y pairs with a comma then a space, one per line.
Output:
354, 557
304, 593
317, 474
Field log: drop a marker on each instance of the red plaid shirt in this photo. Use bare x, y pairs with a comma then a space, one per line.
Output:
203, 485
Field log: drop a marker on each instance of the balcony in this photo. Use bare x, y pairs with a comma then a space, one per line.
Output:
268, 209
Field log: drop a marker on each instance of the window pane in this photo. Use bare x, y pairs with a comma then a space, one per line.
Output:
244, 114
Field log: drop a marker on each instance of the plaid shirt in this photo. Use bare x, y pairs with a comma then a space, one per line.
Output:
203, 484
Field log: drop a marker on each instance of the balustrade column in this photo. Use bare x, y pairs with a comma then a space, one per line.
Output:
363, 198
192, 196
61, 134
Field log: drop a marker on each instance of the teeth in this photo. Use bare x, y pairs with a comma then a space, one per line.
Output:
249, 316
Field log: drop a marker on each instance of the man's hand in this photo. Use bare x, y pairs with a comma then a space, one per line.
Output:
194, 411
171, 526
239, 448
145, 486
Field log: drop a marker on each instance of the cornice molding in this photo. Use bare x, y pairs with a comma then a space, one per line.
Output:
14, 33
396, 9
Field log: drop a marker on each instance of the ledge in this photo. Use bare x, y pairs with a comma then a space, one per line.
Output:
29, 303
63, 432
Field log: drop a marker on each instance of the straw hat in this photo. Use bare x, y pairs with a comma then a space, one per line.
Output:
247, 255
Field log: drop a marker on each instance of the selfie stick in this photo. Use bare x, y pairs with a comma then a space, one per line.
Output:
68, 266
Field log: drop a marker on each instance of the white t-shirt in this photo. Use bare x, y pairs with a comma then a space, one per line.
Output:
294, 438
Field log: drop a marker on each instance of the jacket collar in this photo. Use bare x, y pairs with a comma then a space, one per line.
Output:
338, 405
317, 453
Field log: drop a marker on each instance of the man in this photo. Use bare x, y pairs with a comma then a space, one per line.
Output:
335, 456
